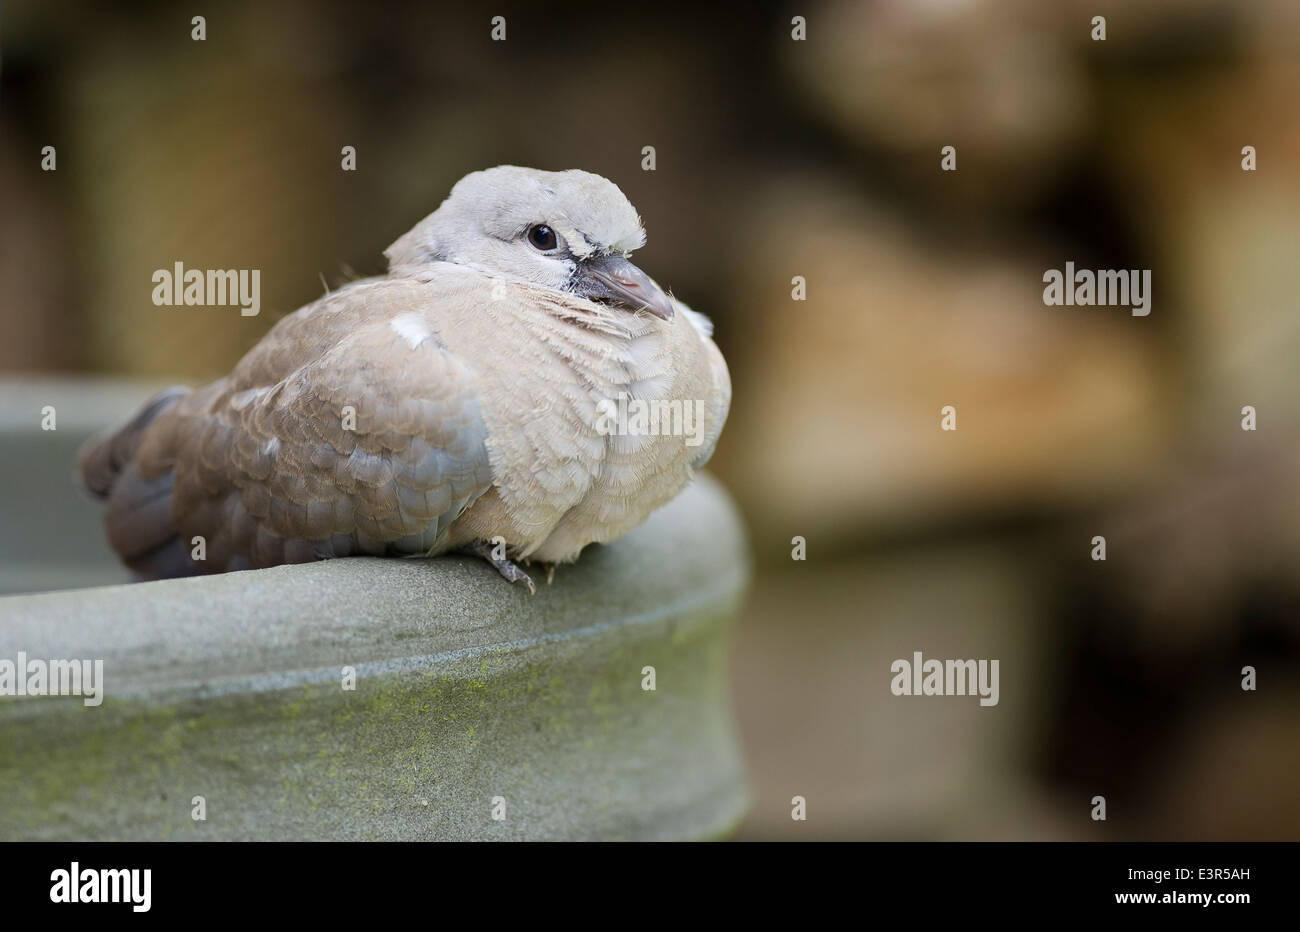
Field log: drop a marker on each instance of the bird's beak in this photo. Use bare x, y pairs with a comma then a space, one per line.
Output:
615, 280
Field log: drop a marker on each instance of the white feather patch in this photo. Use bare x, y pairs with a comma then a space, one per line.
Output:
413, 328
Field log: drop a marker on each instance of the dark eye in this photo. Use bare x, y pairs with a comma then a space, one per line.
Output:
542, 237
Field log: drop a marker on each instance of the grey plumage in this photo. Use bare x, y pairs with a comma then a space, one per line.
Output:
475, 372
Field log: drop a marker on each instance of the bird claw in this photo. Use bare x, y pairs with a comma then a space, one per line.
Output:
508, 570
515, 574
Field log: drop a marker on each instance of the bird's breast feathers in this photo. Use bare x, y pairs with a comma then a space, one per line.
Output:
594, 416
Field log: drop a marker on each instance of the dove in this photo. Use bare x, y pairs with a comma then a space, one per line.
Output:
452, 405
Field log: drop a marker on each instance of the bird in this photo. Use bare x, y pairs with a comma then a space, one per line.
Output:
452, 405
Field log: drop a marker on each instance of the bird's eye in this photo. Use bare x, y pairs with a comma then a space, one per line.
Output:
542, 237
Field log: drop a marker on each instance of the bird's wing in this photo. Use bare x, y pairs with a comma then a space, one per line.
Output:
348, 429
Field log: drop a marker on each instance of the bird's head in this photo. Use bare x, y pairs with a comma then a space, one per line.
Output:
571, 231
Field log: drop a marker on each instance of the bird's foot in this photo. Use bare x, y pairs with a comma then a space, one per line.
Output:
549, 567
508, 570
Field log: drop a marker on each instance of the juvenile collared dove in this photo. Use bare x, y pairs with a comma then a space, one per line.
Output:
454, 403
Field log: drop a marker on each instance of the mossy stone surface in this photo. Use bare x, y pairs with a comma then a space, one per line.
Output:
467, 690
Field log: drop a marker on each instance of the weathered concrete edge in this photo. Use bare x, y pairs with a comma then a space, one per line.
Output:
694, 548
563, 731
303, 617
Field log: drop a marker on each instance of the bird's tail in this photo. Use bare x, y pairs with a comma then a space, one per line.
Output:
139, 520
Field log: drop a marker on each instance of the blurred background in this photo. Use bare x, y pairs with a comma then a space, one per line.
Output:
818, 158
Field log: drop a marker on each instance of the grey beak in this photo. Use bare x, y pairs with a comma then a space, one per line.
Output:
615, 280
